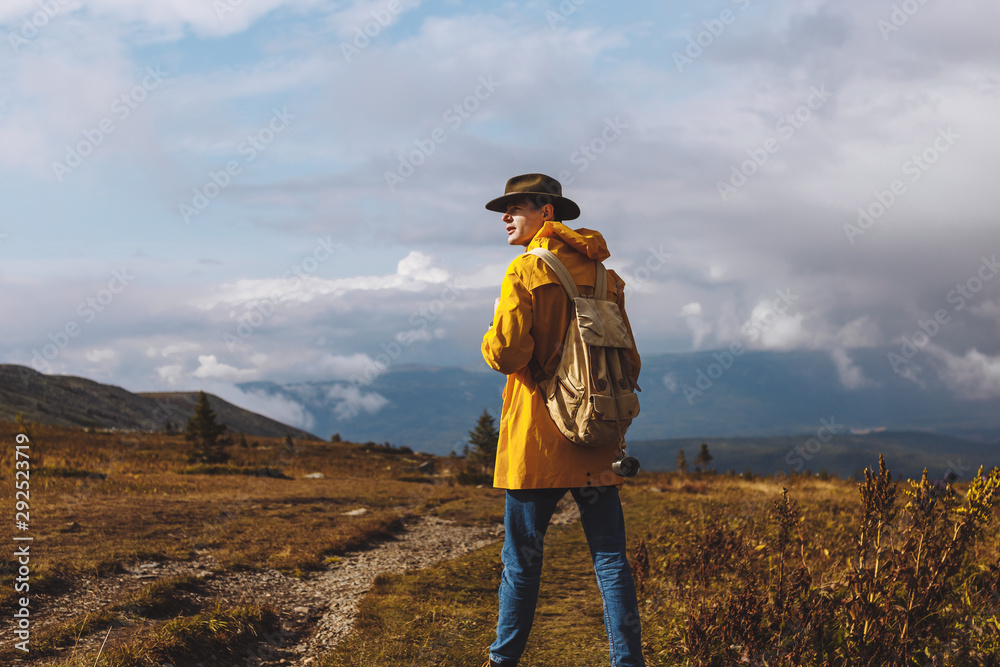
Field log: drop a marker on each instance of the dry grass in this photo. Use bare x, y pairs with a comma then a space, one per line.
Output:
102, 501
731, 572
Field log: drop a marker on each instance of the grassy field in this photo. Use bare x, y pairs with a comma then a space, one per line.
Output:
730, 572
101, 501
796, 571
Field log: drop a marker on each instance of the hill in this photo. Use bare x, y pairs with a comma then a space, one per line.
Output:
66, 400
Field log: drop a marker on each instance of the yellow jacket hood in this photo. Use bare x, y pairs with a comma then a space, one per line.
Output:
586, 241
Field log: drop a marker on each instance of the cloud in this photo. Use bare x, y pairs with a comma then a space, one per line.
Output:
851, 375
165, 17
171, 374
889, 99
334, 367
171, 349
413, 273
279, 407
349, 401
209, 367
974, 375
860, 332
98, 355
699, 328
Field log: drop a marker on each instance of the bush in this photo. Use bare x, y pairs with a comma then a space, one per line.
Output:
910, 589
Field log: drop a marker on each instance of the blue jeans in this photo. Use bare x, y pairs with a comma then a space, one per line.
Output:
527, 513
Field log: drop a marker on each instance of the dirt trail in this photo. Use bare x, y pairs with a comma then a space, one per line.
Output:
316, 612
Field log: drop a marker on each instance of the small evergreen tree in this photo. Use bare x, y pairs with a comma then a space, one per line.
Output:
335, 438
483, 440
703, 459
206, 435
682, 463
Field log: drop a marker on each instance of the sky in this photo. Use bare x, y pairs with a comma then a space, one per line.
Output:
201, 193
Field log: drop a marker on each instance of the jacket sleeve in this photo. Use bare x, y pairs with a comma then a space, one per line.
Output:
634, 362
508, 345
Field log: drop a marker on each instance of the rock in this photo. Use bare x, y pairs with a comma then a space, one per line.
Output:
357, 512
315, 475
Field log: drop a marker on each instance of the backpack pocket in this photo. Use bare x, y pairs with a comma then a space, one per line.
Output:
563, 401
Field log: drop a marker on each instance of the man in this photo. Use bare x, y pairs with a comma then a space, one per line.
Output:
535, 462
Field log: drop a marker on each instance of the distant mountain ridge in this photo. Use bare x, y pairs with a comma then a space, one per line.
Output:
907, 453
760, 395
66, 400
690, 395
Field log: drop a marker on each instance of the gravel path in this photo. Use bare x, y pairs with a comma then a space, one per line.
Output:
316, 612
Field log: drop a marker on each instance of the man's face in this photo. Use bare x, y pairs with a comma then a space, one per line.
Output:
524, 220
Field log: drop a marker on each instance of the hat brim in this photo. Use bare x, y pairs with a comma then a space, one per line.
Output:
565, 209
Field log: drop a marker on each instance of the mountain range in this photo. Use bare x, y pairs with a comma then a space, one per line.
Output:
762, 410
689, 395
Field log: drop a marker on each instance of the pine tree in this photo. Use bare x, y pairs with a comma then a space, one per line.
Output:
682, 463
483, 441
703, 459
205, 435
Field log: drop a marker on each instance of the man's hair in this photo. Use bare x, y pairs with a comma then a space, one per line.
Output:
536, 201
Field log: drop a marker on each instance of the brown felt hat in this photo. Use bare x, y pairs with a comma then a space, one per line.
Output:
540, 188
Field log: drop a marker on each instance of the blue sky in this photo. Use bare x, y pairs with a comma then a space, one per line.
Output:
229, 160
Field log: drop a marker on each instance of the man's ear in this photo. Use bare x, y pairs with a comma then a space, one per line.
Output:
549, 212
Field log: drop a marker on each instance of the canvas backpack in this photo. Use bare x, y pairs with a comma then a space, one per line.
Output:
591, 397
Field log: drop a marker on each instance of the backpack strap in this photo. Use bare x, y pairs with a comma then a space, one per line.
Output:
560, 269
601, 282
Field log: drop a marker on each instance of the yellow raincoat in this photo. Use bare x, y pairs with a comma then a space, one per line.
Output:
523, 343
